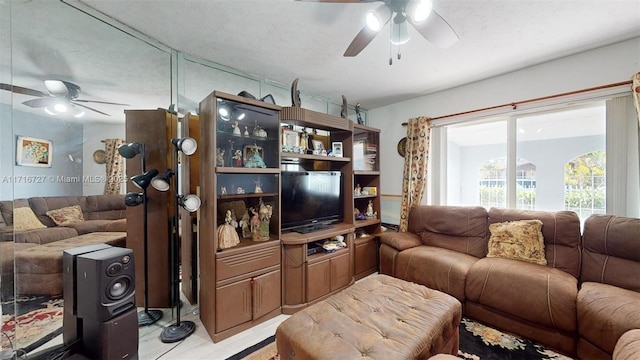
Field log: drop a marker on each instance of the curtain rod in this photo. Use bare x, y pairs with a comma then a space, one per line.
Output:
514, 105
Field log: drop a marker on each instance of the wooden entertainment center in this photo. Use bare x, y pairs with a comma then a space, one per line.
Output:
269, 271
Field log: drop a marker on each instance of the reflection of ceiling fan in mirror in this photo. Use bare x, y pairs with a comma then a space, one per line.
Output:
63, 98
418, 13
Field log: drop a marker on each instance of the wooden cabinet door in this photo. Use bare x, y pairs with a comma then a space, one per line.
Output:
233, 305
340, 275
366, 256
318, 279
266, 293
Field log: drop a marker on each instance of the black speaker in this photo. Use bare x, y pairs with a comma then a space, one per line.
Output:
106, 280
116, 338
71, 324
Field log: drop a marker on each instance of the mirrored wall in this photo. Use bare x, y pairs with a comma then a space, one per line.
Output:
98, 69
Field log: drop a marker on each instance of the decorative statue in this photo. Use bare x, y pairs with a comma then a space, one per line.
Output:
236, 129
255, 160
245, 224
246, 132
258, 189
219, 157
237, 158
261, 220
304, 141
370, 213
227, 235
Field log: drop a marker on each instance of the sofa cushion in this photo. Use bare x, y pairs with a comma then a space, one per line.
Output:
7, 206
539, 294
436, 268
90, 226
25, 219
458, 228
41, 205
611, 253
517, 240
44, 236
606, 312
66, 215
104, 207
561, 231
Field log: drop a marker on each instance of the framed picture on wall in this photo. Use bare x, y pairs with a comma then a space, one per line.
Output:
34, 152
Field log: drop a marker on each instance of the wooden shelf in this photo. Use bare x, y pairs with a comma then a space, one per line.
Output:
362, 223
294, 238
245, 170
290, 155
246, 195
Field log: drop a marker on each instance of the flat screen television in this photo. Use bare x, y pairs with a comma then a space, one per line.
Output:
310, 200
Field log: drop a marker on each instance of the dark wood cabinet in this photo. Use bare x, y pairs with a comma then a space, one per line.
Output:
239, 171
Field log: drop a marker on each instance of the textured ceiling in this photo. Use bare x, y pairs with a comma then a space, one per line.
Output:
284, 39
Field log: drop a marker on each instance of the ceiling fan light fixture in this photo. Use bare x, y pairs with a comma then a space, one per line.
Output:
400, 33
419, 10
60, 107
49, 111
376, 19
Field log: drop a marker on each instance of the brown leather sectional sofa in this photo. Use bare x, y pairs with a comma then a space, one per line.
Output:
579, 303
101, 213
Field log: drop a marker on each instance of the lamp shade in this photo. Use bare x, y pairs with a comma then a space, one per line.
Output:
189, 202
133, 199
162, 182
143, 180
187, 145
130, 150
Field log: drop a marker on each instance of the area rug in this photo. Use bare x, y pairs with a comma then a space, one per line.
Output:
477, 342
38, 320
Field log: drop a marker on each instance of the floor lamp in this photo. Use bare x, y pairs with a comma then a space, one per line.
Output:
146, 317
181, 329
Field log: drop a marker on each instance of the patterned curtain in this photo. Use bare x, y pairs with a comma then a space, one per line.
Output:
414, 178
114, 166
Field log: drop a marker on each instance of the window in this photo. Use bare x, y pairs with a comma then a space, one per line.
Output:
520, 161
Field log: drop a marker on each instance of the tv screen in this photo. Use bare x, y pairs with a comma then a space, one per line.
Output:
310, 198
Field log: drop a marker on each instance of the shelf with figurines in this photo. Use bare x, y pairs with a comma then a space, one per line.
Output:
246, 222
299, 143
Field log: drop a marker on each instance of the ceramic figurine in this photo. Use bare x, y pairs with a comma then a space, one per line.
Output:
237, 159
264, 216
258, 189
246, 132
245, 224
219, 157
223, 190
236, 129
369, 213
227, 235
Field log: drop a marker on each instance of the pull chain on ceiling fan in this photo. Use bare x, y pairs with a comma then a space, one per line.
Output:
418, 13
62, 98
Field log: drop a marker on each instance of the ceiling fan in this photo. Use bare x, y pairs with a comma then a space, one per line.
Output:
62, 97
418, 13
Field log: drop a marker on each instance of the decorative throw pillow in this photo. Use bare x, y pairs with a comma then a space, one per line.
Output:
518, 240
25, 219
66, 215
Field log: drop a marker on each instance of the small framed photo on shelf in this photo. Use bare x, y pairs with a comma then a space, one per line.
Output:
253, 156
318, 147
290, 140
336, 148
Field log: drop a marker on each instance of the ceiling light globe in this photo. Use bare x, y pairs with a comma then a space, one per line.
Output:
420, 10
60, 107
376, 19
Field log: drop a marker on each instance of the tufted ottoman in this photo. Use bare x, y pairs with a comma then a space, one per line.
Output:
39, 268
380, 317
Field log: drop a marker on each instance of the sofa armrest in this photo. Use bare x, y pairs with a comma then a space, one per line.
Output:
628, 346
400, 240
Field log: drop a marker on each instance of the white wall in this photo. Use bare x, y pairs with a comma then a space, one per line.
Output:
602, 66
92, 136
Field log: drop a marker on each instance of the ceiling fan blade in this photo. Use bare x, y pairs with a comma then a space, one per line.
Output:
22, 90
437, 31
364, 37
339, 1
88, 108
98, 102
42, 102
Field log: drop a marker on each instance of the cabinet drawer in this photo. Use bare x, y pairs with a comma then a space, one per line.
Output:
247, 261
